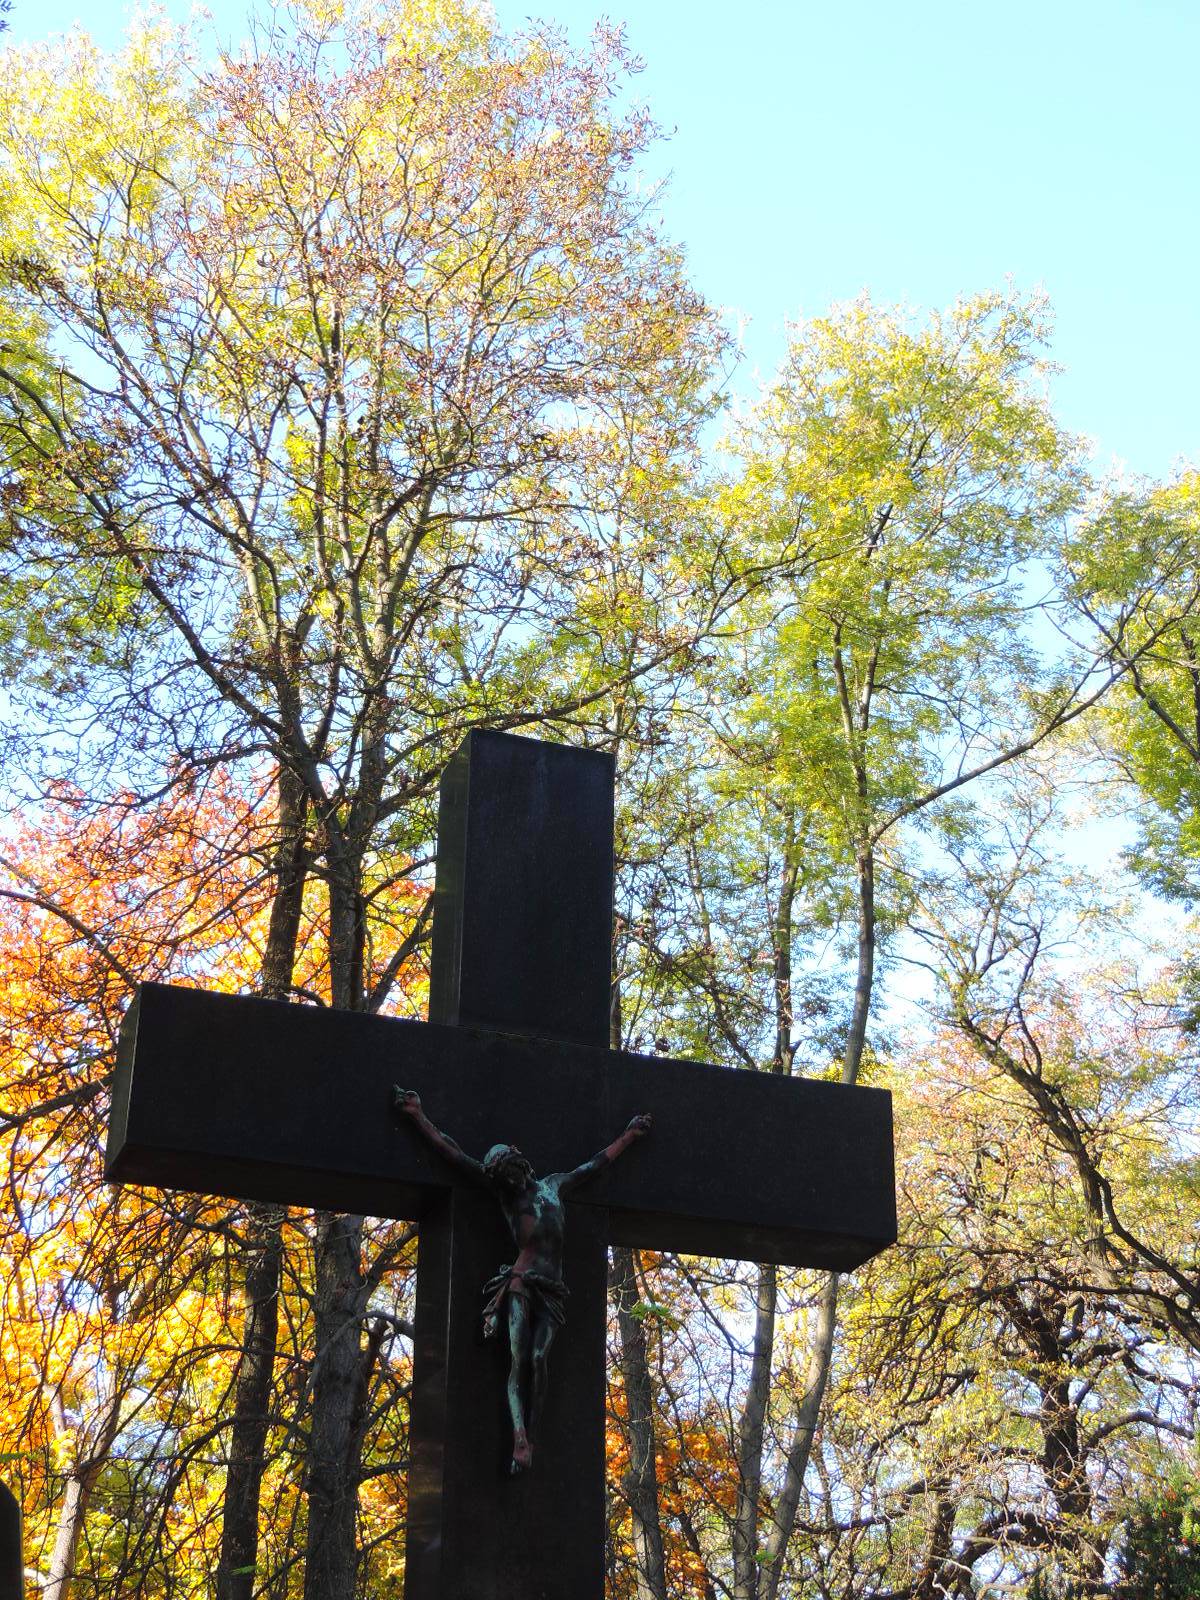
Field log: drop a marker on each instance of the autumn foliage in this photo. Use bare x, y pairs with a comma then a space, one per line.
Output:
352, 397
119, 1330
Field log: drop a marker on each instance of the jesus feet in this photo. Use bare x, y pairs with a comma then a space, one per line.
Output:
522, 1456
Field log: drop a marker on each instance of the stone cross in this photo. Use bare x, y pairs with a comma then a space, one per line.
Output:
12, 1566
261, 1100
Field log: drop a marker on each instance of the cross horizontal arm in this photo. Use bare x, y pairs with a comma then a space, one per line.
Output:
260, 1100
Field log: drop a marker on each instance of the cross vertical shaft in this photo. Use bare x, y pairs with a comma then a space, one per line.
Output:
522, 944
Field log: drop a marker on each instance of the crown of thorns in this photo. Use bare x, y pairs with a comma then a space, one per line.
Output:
500, 1153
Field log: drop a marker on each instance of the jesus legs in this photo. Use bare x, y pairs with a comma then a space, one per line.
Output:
544, 1329
520, 1343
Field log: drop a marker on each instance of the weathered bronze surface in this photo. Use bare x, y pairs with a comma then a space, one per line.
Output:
260, 1100
529, 1294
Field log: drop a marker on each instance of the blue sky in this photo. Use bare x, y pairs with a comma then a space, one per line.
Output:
819, 149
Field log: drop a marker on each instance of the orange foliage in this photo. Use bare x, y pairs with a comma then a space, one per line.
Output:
115, 1305
696, 1474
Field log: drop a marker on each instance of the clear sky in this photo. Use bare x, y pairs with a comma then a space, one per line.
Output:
921, 151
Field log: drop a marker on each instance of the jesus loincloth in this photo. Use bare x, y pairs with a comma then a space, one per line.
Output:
547, 1296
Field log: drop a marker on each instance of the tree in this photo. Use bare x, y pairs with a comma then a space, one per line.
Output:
93, 900
996, 1408
1133, 574
130, 1370
1160, 1559
374, 387
373, 416
1089, 1060
912, 475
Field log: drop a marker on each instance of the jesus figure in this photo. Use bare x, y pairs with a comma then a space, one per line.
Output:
530, 1294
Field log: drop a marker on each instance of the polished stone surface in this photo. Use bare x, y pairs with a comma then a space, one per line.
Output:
522, 925
261, 1100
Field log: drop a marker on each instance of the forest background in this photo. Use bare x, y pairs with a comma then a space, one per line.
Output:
354, 393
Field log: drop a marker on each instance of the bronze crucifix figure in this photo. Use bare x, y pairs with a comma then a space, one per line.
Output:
532, 1286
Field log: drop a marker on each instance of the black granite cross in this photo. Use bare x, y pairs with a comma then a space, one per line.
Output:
12, 1567
264, 1101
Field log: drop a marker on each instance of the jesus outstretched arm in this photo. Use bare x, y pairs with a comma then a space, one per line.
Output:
407, 1103
638, 1128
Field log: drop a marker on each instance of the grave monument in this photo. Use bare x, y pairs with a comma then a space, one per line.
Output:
260, 1100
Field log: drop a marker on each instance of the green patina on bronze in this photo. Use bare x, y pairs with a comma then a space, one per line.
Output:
532, 1286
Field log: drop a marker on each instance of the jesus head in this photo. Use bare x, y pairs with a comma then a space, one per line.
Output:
504, 1164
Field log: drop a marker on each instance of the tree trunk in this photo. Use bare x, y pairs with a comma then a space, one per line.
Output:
820, 1349
66, 1538
263, 1259
77, 1495
785, 1019
640, 1483
335, 1419
263, 1251
864, 983
750, 1442
929, 1583
332, 1478
290, 872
